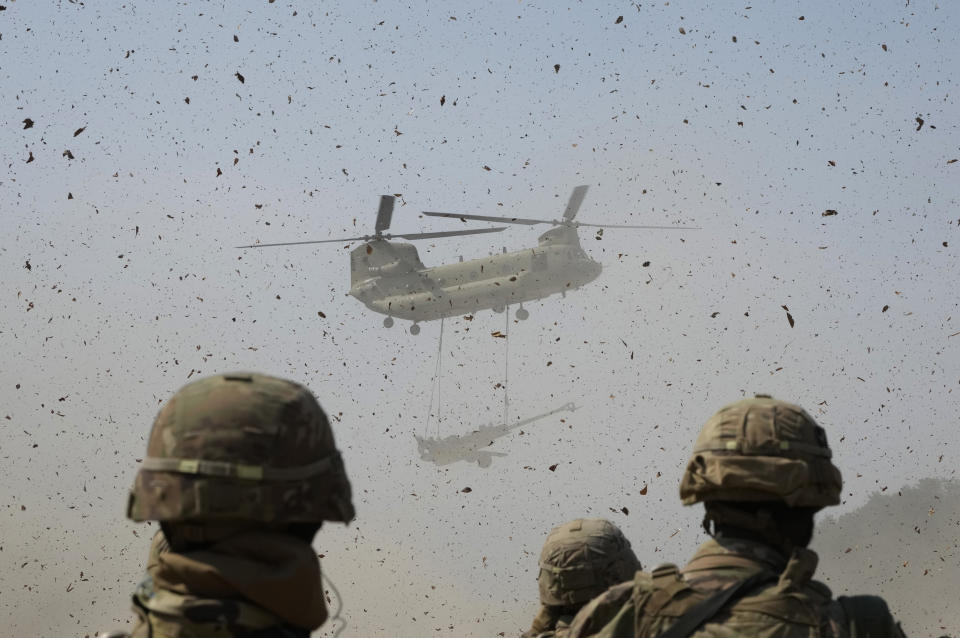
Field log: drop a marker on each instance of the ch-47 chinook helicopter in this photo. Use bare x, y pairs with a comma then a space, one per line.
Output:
388, 276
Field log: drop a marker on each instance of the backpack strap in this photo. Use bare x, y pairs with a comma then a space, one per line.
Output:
869, 617
708, 608
667, 583
654, 591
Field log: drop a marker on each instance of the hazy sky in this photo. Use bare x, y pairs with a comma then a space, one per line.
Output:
199, 127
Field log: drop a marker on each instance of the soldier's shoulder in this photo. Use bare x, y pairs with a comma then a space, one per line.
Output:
868, 615
601, 610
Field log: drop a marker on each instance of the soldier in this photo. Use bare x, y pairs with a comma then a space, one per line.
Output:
579, 560
241, 471
761, 468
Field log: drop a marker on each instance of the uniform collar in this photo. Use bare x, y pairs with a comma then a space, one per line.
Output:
737, 551
795, 572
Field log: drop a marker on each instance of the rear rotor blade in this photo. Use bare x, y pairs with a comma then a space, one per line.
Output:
449, 233
650, 227
316, 241
489, 218
574, 204
385, 214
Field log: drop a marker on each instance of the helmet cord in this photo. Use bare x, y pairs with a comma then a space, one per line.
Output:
336, 615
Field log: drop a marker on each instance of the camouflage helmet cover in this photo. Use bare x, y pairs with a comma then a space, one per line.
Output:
581, 559
240, 448
762, 449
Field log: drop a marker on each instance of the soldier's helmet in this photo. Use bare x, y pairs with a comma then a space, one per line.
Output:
240, 448
762, 449
581, 559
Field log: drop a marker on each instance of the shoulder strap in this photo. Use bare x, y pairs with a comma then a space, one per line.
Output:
652, 592
707, 609
666, 582
868, 617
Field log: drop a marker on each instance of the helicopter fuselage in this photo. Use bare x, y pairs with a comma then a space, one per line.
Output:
389, 278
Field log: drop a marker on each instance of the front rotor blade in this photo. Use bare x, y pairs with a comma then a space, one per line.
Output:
488, 218
450, 233
317, 241
575, 200
650, 227
385, 214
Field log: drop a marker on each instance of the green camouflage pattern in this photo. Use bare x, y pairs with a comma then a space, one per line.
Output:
580, 559
239, 448
551, 622
613, 604
762, 449
165, 614
560, 630
266, 585
792, 605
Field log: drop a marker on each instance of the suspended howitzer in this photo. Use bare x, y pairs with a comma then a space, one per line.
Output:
470, 447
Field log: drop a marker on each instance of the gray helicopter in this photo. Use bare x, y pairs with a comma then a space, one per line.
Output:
389, 278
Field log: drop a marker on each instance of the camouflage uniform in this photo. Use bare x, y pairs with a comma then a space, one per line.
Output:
763, 452
241, 470
579, 560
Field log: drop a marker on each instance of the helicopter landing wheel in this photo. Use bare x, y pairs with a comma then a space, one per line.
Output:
388, 322
414, 329
523, 314
498, 309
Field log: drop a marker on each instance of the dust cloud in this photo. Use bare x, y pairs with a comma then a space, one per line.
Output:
813, 164
903, 544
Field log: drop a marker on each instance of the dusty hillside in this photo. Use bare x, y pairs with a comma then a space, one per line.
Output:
905, 545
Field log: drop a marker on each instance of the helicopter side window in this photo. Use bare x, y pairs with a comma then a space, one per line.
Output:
539, 261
